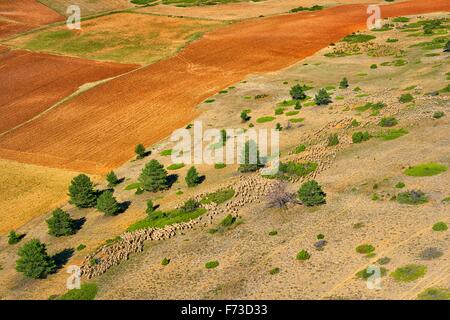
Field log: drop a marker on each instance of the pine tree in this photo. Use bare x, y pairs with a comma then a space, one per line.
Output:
252, 162
60, 224
244, 116
343, 84
107, 204
297, 92
34, 262
153, 177
322, 97
81, 192
192, 177
311, 194
140, 151
112, 179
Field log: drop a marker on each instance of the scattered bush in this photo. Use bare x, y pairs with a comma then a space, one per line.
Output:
365, 248
165, 262
413, 197
333, 139
244, 116
322, 97
400, 185
343, 84
211, 264
192, 178
431, 254
426, 169
365, 274
440, 226
218, 197
405, 98
150, 208
14, 237
81, 247
359, 136
107, 204
409, 272
190, 205
219, 165
358, 38
438, 114
384, 260
388, 122
60, 224
274, 271
373, 66
435, 293
299, 149
297, 92
34, 262
273, 233
265, 119
153, 177
112, 179
303, 255
311, 194
81, 192
392, 134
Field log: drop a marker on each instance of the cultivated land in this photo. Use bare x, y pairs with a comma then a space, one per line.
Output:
242, 10
361, 181
88, 7
31, 83
149, 104
122, 37
20, 16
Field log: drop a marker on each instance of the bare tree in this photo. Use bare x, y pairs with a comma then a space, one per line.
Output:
279, 197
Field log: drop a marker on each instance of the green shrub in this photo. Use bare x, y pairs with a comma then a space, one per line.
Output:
405, 98
190, 205
310, 194
81, 247
359, 136
166, 152
434, 293
175, 166
14, 237
365, 274
150, 208
34, 262
320, 236
244, 116
299, 149
278, 127
440, 226
426, 169
297, 106
81, 192
153, 177
365, 248
87, 291
438, 114
388, 122
297, 169
322, 97
358, 38
274, 271
413, 197
303, 255
333, 139
373, 66
219, 165
140, 151
384, 260
108, 204
165, 262
192, 178
344, 83
392, 134
400, 19
265, 119
409, 272
297, 92
228, 221
211, 264
273, 233
60, 224
400, 185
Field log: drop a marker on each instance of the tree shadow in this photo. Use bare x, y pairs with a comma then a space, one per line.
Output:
201, 179
61, 258
78, 223
171, 179
124, 206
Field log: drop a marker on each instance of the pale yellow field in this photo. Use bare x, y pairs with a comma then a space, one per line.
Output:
27, 191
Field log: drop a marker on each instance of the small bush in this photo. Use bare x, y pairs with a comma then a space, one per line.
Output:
14, 237
438, 114
311, 194
409, 272
165, 262
218, 197
219, 165
190, 206
211, 264
108, 204
392, 134
365, 248
384, 260
87, 291
359, 136
274, 271
175, 166
400, 185
320, 236
413, 197
303, 255
343, 84
297, 92
192, 177
358, 38
150, 208
244, 116
299, 149
265, 119
81, 247
333, 140
112, 179
388, 122
373, 66
322, 97
405, 98
435, 293
431, 254
273, 233
440, 226
140, 151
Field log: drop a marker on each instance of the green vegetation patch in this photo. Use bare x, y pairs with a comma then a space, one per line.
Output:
212, 264
365, 248
175, 166
440, 226
413, 197
426, 169
313, 8
297, 120
358, 38
219, 165
291, 113
166, 153
218, 197
392, 134
434, 294
365, 274
87, 291
409, 272
372, 106
265, 119
303, 255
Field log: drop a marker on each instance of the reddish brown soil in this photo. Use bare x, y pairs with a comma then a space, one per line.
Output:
19, 16
98, 130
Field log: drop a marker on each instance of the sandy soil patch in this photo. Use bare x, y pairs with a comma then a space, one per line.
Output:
16, 17
149, 104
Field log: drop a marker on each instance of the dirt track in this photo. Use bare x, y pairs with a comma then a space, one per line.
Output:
98, 130
19, 16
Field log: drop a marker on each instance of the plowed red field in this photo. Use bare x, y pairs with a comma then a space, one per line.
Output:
98, 130
19, 16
